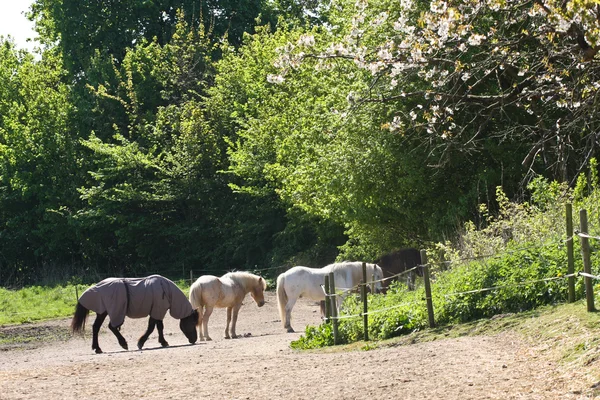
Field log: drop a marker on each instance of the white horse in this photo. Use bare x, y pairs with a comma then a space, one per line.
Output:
306, 282
227, 291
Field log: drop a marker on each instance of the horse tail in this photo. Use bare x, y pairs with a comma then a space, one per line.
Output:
196, 295
78, 321
282, 297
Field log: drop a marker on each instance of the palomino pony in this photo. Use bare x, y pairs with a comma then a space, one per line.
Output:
306, 282
227, 291
135, 298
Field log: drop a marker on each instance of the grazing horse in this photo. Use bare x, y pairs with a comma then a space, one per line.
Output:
135, 298
227, 291
400, 261
306, 282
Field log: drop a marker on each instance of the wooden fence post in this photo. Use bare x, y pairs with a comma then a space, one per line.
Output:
427, 288
587, 265
334, 310
327, 301
363, 293
570, 255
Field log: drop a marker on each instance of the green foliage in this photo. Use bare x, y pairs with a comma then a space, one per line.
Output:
113, 28
517, 262
36, 303
39, 166
167, 135
315, 337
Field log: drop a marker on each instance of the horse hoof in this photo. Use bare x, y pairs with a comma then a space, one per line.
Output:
98, 350
164, 344
124, 345
140, 345
208, 339
290, 330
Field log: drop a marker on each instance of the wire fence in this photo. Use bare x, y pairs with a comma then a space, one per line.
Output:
479, 290
340, 291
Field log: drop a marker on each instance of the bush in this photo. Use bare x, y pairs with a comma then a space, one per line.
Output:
516, 262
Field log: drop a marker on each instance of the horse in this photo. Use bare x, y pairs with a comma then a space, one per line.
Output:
302, 281
400, 261
228, 292
135, 298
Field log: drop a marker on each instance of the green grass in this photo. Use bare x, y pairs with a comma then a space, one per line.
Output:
37, 303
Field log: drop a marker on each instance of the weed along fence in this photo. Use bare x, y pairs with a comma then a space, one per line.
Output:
332, 296
566, 274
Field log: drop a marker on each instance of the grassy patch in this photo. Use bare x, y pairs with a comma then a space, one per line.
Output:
37, 303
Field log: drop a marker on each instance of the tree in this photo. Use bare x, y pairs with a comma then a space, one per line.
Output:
469, 78
38, 166
296, 137
81, 28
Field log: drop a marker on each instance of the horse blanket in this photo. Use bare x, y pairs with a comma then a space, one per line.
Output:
136, 298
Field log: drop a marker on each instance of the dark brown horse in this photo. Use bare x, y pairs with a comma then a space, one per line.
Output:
399, 261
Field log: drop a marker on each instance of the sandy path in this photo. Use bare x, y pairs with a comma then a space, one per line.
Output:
262, 366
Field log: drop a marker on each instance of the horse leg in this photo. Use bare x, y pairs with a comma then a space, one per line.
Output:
410, 279
228, 321
161, 338
200, 324
339, 300
235, 311
120, 338
144, 337
95, 329
205, 318
288, 314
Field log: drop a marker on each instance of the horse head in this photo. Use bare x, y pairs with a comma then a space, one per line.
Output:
188, 326
258, 290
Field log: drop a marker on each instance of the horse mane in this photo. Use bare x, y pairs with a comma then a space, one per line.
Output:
356, 264
245, 279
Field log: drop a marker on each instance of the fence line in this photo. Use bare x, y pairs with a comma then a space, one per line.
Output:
377, 311
407, 303
585, 274
515, 251
511, 285
587, 236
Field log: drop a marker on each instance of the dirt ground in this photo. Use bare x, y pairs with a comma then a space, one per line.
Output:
261, 365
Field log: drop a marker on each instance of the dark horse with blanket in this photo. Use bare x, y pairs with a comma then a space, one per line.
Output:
135, 298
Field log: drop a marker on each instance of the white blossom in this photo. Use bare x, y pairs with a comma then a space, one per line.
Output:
396, 123
380, 19
438, 7
277, 79
475, 39
306, 40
